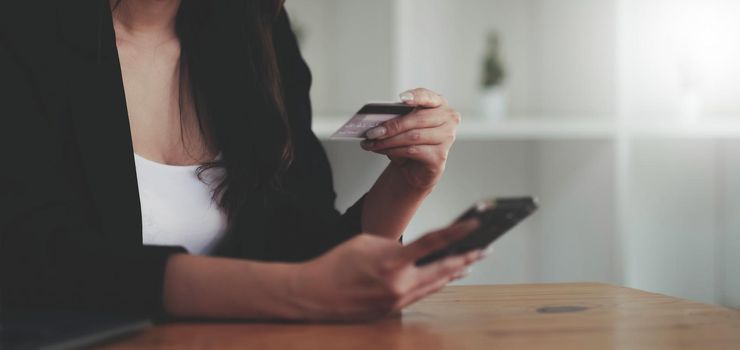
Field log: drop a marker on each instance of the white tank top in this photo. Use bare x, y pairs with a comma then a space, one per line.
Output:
177, 207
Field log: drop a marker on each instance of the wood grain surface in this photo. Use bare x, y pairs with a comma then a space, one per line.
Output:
548, 316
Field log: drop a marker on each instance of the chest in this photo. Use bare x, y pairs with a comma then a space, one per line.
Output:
177, 206
150, 76
161, 116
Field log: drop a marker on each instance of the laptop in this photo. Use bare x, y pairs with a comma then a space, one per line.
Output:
62, 330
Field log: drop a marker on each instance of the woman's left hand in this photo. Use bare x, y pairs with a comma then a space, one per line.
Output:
418, 143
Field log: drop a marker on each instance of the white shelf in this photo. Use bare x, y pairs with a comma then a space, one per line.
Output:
713, 129
526, 129
475, 129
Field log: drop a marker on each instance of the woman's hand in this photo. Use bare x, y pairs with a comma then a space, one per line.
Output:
418, 143
370, 277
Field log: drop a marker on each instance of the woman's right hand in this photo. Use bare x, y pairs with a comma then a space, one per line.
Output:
369, 277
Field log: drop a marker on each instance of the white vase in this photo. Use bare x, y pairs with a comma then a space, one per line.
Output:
493, 103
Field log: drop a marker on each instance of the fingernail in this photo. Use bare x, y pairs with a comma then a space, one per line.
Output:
475, 256
487, 251
407, 96
377, 132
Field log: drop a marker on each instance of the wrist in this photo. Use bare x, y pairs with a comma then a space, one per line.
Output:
303, 291
285, 291
402, 185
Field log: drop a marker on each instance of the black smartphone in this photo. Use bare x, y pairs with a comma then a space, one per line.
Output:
496, 217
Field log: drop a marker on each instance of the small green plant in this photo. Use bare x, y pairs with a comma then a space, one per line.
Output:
493, 67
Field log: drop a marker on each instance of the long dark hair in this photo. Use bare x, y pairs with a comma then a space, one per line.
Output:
227, 55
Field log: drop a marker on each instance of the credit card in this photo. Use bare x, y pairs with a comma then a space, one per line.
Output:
369, 117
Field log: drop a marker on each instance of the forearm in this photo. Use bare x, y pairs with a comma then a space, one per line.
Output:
199, 286
390, 204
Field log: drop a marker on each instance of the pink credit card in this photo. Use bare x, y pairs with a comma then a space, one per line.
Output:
369, 117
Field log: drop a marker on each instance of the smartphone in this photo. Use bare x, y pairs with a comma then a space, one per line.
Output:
370, 116
496, 217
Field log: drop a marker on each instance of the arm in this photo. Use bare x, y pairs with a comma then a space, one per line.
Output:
390, 204
51, 252
366, 277
200, 286
417, 145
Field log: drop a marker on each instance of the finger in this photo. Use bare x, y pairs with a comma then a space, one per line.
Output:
462, 274
434, 286
429, 136
422, 292
448, 267
419, 119
437, 240
423, 98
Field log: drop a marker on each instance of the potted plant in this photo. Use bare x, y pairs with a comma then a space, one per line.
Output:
493, 92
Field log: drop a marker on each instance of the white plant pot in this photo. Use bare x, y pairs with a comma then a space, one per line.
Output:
493, 103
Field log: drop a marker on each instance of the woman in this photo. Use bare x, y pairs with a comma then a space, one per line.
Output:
135, 128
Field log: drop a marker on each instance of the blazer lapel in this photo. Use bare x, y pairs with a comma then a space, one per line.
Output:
97, 107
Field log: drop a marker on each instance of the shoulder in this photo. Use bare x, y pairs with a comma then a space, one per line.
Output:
47, 40
22, 32
295, 73
289, 53
29, 37
22, 22
40, 29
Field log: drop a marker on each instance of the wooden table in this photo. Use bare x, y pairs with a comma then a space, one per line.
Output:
555, 316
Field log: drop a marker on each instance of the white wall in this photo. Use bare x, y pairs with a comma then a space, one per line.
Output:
574, 56
497, 171
570, 239
672, 227
576, 233
673, 46
479, 170
730, 217
444, 43
559, 54
349, 46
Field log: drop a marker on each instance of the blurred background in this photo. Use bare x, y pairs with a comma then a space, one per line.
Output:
622, 116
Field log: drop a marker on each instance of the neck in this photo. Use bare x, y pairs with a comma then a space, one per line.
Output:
146, 20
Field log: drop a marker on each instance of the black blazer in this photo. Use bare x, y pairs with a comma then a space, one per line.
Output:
70, 220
